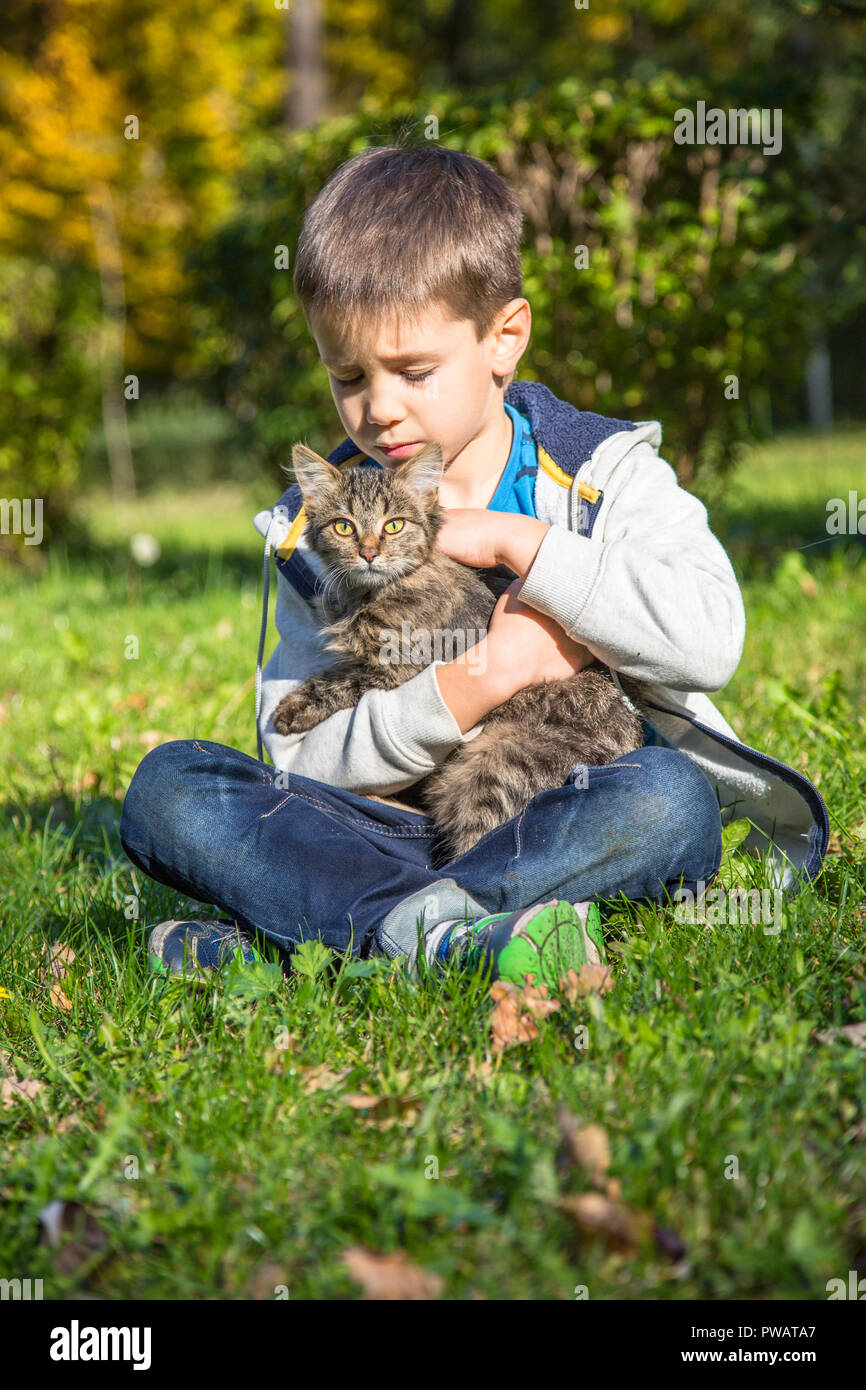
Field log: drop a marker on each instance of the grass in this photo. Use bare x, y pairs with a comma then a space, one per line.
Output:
215, 1143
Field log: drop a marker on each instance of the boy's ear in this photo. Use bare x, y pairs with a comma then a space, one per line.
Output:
314, 474
423, 471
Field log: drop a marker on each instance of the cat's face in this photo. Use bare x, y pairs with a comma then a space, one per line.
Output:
371, 525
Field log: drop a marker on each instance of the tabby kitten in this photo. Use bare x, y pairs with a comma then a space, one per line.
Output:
384, 578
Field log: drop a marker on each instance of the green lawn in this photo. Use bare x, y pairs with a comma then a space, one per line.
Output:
216, 1143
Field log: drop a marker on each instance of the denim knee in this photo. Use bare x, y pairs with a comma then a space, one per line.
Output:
155, 796
683, 796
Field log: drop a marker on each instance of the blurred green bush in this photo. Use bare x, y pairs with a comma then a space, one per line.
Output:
49, 383
691, 303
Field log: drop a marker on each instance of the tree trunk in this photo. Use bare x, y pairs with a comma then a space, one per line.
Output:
112, 335
305, 91
819, 386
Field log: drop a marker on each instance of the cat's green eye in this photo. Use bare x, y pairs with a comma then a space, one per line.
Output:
394, 525
343, 528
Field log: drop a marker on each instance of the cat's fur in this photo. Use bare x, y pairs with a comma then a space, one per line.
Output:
528, 744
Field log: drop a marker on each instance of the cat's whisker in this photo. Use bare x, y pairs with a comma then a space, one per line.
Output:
337, 576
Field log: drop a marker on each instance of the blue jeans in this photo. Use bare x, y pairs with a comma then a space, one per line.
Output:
298, 858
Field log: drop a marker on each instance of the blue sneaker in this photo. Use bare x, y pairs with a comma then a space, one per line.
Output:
196, 951
545, 941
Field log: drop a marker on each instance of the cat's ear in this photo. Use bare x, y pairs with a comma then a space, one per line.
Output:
314, 474
423, 471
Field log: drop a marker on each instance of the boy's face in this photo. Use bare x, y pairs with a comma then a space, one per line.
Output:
412, 383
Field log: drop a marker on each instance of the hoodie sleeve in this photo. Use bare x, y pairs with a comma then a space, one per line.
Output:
655, 597
391, 738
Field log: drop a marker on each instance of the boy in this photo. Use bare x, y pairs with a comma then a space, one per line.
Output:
408, 270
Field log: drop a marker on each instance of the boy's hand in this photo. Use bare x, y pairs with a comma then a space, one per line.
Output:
484, 539
522, 647
525, 647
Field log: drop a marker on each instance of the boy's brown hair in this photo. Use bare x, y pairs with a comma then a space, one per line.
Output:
398, 229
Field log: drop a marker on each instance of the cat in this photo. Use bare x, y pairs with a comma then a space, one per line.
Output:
384, 579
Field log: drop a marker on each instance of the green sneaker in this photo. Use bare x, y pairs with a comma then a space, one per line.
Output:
545, 941
197, 951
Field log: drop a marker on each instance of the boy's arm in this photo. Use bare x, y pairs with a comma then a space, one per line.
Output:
391, 739
657, 599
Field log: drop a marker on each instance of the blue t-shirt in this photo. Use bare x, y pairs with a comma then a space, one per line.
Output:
515, 491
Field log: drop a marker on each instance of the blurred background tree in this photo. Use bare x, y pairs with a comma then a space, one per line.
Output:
153, 157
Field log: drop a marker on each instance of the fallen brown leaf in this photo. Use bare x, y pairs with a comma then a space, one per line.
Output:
854, 1032
265, 1279
585, 1145
86, 782
591, 979
11, 1090
513, 1019
58, 998
390, 1277
616, 1224
385, 1108
151, 737
480, 1071
56, 960
321, 1078
134, 701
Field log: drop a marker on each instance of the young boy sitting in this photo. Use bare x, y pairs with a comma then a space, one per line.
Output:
408, 270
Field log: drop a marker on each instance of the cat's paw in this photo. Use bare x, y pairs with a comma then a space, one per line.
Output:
294, 714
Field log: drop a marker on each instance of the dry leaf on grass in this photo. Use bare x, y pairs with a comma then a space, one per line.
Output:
386, 1108
57, 959
482, 1072
265, 1280
321, 1078
58, 998
513, 1019
854, 1032
585, 1145
597, 1215
150, 738
390, 1277
134, 701
11, 1090
591, 979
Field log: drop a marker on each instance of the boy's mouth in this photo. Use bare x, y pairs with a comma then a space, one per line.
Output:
396, 451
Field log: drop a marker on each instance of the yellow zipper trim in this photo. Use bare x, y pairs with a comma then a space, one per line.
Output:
589, 494
285, 549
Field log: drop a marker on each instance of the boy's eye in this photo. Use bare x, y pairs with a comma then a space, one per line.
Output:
344, 528
415, 377
395, 524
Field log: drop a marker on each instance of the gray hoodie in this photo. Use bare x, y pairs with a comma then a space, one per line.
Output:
629, 568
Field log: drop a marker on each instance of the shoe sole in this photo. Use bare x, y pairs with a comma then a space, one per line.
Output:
549, 941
